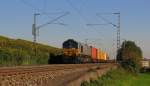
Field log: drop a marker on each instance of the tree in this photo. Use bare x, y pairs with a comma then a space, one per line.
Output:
130, 55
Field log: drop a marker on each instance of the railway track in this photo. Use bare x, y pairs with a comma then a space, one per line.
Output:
31, 69
35, 74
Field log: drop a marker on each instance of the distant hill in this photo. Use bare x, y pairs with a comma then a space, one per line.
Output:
22, 52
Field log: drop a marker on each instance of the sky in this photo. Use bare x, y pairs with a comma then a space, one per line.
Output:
16, 19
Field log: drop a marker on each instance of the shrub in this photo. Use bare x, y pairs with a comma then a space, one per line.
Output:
130, 55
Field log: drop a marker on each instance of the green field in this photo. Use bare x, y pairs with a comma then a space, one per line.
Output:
120, 78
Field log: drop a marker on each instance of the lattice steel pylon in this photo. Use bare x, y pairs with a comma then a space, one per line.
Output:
114, 25
35, 28
118, 31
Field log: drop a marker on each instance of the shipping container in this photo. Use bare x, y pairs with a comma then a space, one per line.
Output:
101, 55
94, 54
85, 49
104, 56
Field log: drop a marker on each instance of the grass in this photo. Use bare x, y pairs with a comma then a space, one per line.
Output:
120, 77
141, 80
17, 52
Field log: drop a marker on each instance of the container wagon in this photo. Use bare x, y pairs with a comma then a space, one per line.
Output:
94, 54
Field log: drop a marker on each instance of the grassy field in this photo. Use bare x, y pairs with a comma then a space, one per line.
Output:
16, 52
120, 78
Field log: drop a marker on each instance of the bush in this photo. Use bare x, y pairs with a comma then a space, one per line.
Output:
130, 55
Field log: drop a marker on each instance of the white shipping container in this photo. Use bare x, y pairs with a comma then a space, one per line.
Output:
85, 49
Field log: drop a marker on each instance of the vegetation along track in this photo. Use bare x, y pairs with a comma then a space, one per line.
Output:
41, 75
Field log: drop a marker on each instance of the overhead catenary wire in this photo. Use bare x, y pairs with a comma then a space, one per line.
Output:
30, 5
106, 20
50, 22
79, 12
41, 11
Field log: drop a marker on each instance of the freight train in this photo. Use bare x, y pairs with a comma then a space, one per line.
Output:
76, 52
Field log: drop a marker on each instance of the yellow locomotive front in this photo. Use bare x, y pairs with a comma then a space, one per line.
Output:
72, 52
70, 48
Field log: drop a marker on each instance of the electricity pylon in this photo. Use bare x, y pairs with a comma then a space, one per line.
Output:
114, 25
35, 28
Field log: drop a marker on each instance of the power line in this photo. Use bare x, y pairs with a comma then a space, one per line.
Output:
50, 22
84, 18
41, 11
30, 5
106, 20
77, 10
